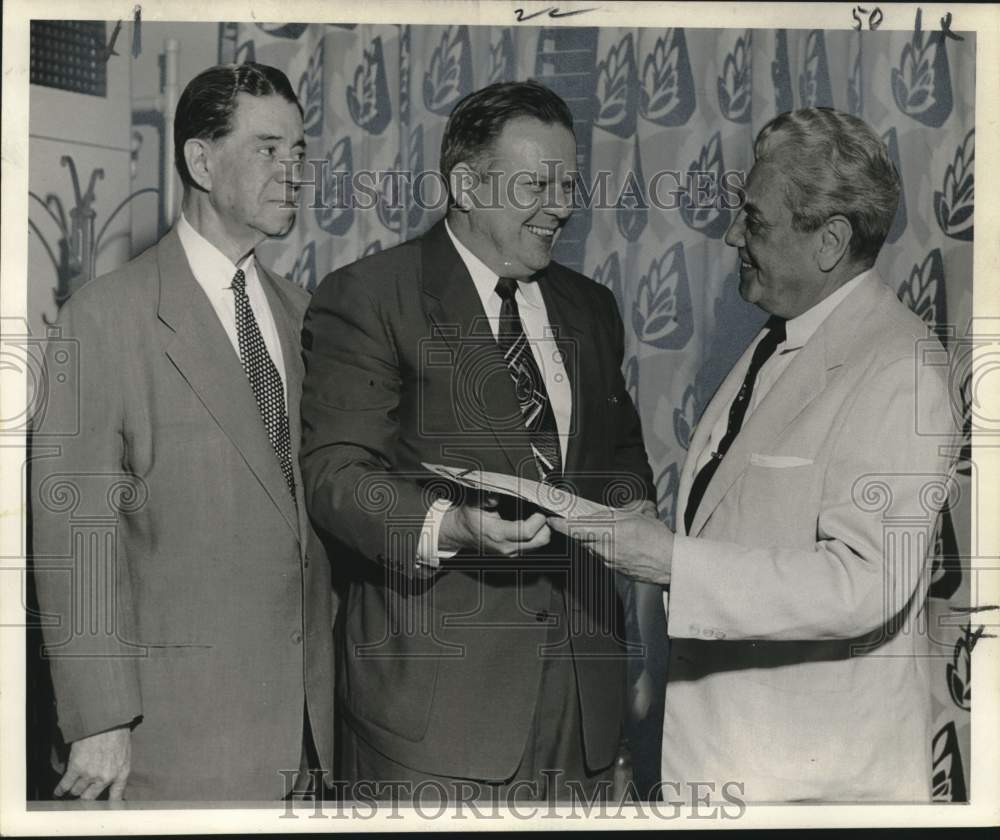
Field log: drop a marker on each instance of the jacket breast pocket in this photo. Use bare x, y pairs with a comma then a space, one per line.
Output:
778, 461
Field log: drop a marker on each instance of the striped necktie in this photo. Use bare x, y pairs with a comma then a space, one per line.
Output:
529, 386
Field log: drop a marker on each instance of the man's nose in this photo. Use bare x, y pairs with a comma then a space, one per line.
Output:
560, 204
289, 172
734, 236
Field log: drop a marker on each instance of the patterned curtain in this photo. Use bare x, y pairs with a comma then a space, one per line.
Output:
656, 107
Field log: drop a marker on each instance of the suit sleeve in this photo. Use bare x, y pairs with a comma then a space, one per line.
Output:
350, 425
81, 568
631, 460
856, 577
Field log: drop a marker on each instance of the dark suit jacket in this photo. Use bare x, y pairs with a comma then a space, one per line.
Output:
441, 672
213, 598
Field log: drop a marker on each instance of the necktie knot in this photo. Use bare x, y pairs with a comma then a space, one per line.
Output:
506, 288
240, 282
776, 326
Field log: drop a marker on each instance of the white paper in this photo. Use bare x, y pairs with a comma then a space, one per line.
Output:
548, 497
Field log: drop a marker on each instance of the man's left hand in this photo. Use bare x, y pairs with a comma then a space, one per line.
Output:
634, 544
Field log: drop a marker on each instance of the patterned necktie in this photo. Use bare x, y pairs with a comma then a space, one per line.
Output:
528, 384
264, 378
737, 413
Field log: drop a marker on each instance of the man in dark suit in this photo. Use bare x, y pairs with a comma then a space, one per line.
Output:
191, 652
475, 650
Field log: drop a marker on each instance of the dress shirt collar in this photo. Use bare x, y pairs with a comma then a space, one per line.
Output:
486, 278
211, 268
799, 330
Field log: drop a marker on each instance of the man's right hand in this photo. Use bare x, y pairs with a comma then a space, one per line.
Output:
96, 762
481, 529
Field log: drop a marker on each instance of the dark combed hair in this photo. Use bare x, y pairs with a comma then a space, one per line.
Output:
479, 118
834, 164
205, 109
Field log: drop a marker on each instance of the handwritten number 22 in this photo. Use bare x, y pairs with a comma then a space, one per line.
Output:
552, 12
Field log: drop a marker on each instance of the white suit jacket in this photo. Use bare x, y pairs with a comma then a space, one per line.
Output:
797, 651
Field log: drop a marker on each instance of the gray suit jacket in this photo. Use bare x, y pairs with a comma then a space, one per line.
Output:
184, 588
798, 654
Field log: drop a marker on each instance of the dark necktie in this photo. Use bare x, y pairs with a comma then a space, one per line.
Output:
264, 378
737, 413
528, 383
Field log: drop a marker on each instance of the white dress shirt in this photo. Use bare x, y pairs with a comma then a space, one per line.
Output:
541, 339
214, 272
798, 331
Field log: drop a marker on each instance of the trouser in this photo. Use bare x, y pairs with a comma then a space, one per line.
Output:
552, 768
308, 781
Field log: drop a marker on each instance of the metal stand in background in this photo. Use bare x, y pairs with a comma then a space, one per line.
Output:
78, 246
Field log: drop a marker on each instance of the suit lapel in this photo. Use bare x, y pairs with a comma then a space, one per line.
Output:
204, 355
457, 313
567, 319
703, 430
800, 383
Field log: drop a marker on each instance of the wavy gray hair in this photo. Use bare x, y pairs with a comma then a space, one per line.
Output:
834, 164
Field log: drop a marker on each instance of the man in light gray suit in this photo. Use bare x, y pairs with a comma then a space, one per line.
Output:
798, 666
201, 667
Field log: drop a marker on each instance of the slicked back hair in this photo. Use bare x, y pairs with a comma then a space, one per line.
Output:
479, 118
206, 107
833, 164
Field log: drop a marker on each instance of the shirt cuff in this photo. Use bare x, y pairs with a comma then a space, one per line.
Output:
428, 553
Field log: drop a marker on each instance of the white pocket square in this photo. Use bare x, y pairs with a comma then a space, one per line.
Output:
778, 461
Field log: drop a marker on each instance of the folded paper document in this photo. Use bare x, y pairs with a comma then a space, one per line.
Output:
547, 497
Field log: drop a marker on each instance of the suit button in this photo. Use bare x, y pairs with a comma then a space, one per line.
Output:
542, 616
297, 638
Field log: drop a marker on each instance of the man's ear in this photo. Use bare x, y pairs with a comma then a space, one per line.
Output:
834, 242
197, 155
462, 180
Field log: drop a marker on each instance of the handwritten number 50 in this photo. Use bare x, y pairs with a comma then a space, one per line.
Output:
875, 18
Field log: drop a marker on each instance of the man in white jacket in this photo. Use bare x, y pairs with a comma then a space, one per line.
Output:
798, 664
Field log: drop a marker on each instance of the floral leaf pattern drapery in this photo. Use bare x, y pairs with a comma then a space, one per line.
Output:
649, 103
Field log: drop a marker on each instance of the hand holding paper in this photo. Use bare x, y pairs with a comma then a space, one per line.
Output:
480, 527
484, 531
547, 497
633, 543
